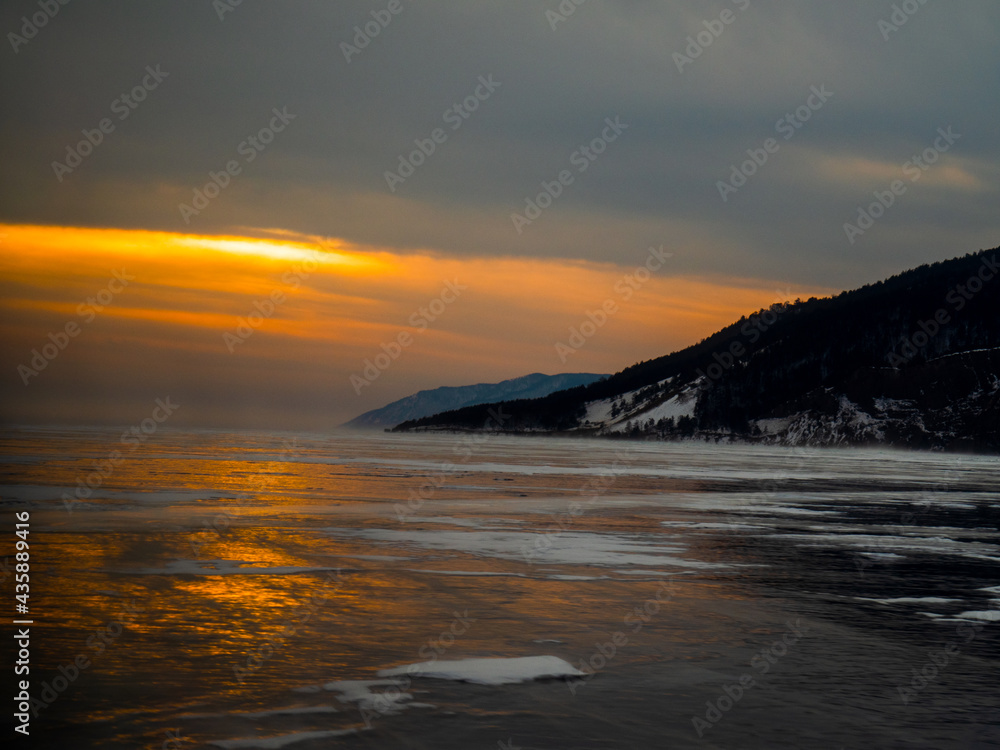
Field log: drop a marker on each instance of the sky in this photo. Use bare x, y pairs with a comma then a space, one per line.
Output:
477, 179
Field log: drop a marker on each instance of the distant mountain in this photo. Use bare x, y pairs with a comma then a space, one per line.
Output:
425, 403
911, 361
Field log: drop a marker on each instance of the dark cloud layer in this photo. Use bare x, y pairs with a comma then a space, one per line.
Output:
656, 184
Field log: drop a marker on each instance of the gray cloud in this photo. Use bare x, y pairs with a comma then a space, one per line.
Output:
657, 184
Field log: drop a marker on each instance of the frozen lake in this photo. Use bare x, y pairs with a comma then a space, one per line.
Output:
238, 590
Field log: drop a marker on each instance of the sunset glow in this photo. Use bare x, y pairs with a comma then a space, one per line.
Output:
319, 309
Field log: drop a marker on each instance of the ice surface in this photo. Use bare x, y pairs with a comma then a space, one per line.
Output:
909, 543
883, 555
291, 711
873, 491
687, 470
490, 671
219, 568
990, 615
713, 526
564, 548
282, 740
909, 600
467, 573
793, 511
644, 573
449, 521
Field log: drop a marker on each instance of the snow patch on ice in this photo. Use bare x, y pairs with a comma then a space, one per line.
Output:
490, 671
990, 615
360, 693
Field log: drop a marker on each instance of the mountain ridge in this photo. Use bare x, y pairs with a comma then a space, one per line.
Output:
431, 401
873, 365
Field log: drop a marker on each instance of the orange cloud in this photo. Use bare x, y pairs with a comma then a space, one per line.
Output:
247, 329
